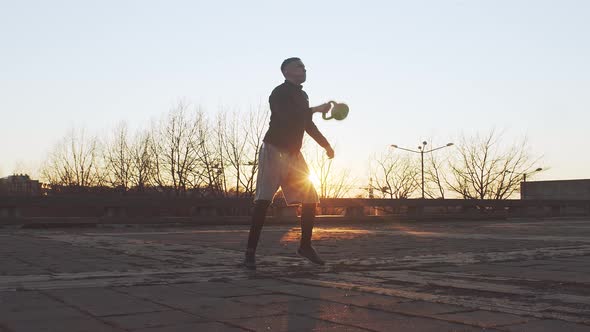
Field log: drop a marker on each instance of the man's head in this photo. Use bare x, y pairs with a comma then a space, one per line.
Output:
294, 70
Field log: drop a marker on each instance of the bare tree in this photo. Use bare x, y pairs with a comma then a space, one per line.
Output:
256, 125
233, 138
485, 169
233, 154
208, 177
175, 145
118, 159
74, 162
435, 174
395, 176
142, 161
333, 183
218, 156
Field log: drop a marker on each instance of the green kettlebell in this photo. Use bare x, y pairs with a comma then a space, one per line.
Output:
339, 111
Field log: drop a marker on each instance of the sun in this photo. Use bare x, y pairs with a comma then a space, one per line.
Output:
315, 180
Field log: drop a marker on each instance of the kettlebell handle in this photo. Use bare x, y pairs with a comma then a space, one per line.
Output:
324, 115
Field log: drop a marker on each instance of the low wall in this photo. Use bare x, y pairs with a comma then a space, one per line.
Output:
133, 209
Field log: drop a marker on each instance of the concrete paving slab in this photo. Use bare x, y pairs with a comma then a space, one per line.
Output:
219, 289
103, 302
209, 327
485, 318
267, 299
72, 324
293, 323
376, 320
424, 308
547, 326
152, 319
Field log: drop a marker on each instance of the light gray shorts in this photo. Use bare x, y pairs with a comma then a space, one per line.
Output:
277, 168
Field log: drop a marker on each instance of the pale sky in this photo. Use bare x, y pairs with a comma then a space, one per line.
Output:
410, 70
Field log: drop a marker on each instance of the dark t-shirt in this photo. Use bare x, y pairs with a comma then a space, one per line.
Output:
290, 117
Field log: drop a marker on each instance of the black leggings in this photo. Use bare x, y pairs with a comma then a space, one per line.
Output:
259, 214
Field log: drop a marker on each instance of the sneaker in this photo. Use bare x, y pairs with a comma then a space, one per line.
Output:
310, 254
250, 262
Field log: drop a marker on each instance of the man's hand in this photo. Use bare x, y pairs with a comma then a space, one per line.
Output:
329, 152
323, 108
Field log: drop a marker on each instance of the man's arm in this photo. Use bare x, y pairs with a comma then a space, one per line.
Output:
315, 133
323, 108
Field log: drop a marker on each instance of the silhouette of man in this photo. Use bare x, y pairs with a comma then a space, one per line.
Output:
280, 162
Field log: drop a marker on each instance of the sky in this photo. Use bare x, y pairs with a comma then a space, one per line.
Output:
409, 70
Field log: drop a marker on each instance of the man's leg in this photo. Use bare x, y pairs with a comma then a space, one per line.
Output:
258, 216
267, 183
307, 220
299, 189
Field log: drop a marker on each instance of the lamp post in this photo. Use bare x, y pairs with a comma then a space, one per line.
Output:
522, 188
421, 152
525, 174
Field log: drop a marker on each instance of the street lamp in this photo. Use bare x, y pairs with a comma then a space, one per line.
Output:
525, 174
421, 152
522, 188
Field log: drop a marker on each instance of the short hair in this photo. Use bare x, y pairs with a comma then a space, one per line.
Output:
288, 61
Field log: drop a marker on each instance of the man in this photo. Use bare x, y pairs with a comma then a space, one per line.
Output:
281, 162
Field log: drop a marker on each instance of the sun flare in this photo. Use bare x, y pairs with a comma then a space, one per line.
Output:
315, 180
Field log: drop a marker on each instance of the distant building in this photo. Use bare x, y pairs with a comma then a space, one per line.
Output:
558, 189
19, 185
